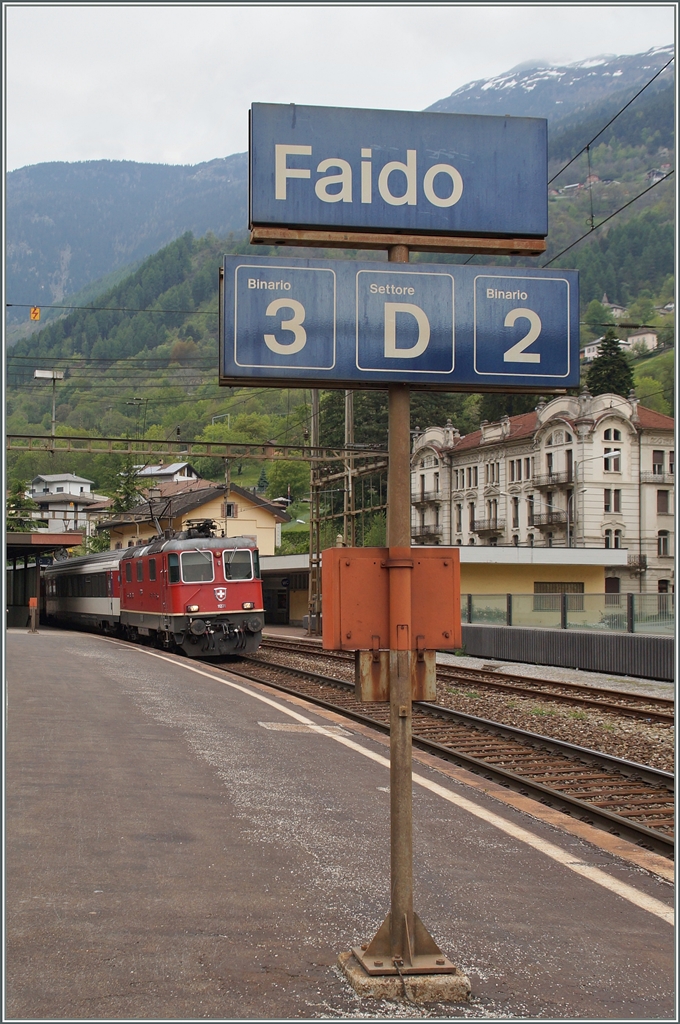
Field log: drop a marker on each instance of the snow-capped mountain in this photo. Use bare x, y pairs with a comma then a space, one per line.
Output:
539, 89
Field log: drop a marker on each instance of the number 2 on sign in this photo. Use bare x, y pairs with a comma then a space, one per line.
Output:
294, 324
518, 353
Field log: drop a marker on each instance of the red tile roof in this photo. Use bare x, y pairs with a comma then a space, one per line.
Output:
523, 425
526, 424
654, 420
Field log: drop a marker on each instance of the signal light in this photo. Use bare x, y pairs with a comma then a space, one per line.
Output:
248, 605
192, 607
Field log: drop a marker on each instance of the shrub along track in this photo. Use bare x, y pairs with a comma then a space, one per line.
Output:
622, 797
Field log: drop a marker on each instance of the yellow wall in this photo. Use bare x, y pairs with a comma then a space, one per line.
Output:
299, 605
520, 579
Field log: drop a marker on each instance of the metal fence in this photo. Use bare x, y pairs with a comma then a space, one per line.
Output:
653, 614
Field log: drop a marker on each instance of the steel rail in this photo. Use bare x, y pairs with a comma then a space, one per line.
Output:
607, 820
653, 708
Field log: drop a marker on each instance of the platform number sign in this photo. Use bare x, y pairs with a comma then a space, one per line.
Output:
284, 317
348, 323
520, 328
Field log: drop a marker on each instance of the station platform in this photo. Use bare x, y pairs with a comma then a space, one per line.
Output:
181, 844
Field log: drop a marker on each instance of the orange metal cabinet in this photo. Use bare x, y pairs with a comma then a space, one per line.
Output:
355, 584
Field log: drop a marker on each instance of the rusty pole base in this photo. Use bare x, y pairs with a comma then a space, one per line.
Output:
422, 956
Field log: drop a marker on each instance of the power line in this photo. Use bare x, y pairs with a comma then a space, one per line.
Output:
625, 205
110, 309
589, 144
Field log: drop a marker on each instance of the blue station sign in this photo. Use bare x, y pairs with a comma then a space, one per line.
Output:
398, 171
358, 324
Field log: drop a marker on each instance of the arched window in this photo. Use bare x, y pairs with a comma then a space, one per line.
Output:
618, 538
607, 538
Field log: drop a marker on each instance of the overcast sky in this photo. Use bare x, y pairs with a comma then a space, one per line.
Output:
172, 84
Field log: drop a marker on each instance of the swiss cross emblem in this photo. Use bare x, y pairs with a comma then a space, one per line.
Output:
220, 593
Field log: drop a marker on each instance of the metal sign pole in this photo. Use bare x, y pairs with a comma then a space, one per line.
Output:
402, 944
400, 564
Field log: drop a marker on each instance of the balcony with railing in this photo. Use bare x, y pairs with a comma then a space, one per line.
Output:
546, 520
426, 534
553, 479
426, 497
493, 525
661, 479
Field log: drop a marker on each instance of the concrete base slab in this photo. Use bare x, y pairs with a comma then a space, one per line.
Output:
420, 988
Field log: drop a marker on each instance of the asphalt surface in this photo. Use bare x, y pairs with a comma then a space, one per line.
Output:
170, 857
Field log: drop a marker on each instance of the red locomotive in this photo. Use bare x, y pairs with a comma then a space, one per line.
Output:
194, 592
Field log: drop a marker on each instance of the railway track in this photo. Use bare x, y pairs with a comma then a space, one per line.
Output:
630, 705
621, 797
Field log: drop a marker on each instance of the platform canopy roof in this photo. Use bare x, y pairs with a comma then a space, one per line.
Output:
37, 543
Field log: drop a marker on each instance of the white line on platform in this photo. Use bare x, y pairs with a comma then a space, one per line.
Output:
556, 853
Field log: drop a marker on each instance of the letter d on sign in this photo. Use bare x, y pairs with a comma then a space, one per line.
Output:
391, 350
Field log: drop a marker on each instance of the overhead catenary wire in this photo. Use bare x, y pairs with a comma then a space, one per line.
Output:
585, 149
112, 309
602, 222
610, 122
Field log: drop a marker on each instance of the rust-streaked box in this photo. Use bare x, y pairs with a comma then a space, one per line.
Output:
355, 586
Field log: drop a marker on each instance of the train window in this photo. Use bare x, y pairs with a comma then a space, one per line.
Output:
87, 587
173, 568
140, 572
197, 567
128, 572
237, 565
256, 565
152, 570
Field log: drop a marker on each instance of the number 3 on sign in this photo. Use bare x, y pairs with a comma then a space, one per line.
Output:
518, 353
294, 324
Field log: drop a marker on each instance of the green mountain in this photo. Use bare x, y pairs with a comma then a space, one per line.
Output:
70, 224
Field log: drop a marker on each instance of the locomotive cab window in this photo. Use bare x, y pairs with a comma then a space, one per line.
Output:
173, 568
237, 565
152, 570
128, 572
197, 567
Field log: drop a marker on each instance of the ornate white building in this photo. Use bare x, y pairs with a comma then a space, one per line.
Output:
576, 473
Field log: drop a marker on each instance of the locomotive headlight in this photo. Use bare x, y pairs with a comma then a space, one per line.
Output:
192, 607
247, 605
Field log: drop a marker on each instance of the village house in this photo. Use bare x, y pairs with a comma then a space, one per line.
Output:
174, 505
64, 501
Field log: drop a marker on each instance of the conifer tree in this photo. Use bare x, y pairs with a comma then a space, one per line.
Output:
610, 372
20, 510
